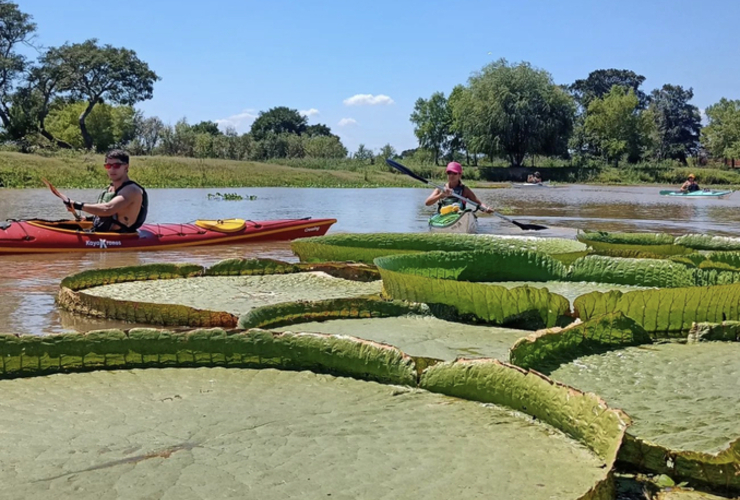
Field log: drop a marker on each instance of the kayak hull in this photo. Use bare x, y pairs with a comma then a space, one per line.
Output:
530, 184
42, 236
456, 222
697, 194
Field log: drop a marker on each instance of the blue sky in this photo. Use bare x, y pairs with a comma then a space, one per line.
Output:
358, 67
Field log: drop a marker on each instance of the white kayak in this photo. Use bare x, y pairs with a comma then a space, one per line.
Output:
530, 184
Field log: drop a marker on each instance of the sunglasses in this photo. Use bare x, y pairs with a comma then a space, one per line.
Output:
109, 166
452, 173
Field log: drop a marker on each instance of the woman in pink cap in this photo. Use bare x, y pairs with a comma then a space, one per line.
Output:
454, 185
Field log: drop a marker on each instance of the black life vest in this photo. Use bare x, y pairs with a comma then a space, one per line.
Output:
693, 187
111, 224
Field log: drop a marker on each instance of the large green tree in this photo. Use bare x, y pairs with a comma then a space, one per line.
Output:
101, 73
318, 130
721, 136
107, 125
16, 28
206, 127
617, 127
515, 110
276, 121
432, 119
600, 82
678, 122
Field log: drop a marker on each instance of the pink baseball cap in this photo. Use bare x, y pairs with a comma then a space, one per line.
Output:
454, 167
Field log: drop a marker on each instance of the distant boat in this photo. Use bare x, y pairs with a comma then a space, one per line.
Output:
531, 184
705, 193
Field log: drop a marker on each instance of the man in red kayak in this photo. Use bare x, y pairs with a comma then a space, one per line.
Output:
122, 207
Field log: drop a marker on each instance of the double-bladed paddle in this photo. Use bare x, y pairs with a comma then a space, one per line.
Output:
59, 195
405, 170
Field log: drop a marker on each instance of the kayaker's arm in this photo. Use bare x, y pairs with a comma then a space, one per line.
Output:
469, 194
437, 195
118, 203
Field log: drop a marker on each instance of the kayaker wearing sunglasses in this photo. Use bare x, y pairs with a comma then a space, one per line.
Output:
122, 207
454, 185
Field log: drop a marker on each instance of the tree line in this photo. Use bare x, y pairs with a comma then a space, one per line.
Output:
81, 96
516, 111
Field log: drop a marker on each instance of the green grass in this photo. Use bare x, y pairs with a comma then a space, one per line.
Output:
67, 169
19, 170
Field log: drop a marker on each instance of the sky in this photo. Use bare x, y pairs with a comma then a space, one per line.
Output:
360, 66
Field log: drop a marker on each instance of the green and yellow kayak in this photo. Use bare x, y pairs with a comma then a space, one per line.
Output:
463, 221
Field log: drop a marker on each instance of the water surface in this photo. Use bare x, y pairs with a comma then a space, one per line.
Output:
28, 283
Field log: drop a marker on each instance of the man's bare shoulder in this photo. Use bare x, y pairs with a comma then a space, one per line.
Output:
131, 191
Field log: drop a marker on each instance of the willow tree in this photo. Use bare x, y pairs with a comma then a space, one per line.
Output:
515, 110
96, 74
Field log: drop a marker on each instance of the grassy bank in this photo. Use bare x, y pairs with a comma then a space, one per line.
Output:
86, 171
79, 170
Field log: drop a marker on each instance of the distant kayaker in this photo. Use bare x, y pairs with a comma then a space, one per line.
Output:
535, 178
122, 207
690, 185
454, 185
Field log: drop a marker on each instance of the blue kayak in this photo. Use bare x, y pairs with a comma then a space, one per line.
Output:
706, 193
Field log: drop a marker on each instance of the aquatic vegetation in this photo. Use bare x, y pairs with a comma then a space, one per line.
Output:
366, 247
663, 290
569, 448
230, 197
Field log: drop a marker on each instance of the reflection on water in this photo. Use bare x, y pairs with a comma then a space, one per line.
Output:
28, 283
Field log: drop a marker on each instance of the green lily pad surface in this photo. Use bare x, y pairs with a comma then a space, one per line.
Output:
239, 433
681, 396
424, 336
570, 290
237, 294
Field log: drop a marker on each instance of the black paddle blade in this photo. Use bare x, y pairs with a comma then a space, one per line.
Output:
529, 227
406, 171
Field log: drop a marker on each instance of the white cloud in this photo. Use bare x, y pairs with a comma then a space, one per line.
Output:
242, 122
703, 116
308, 113
367, 99
346, 122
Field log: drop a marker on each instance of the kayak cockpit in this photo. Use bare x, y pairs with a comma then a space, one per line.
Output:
73, 226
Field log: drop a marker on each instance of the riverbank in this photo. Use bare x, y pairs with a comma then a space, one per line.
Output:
82, 170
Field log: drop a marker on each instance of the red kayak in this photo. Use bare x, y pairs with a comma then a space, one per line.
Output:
44, 236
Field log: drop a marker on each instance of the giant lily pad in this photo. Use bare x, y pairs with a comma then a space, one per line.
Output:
205, 432
183, 296
424, 336
237, 294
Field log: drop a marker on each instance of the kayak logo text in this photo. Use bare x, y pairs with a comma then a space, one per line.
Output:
310, 229
103, 244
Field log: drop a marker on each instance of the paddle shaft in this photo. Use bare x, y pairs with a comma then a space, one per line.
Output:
65, 199
408, 172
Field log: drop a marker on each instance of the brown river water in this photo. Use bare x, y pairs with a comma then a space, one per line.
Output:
28, 283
